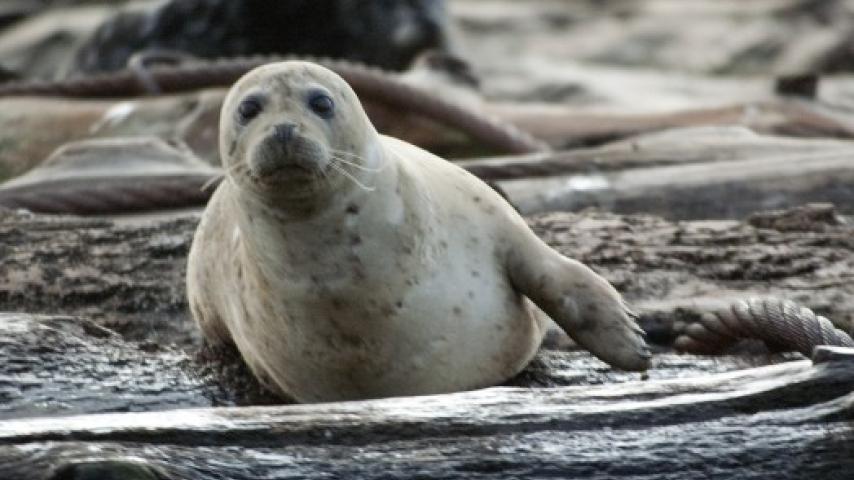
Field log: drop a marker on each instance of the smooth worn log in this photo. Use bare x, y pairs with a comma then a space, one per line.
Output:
684, 173
193, 119
32, 128
113, 175
671, 147
785, 421
723, 174
563, 126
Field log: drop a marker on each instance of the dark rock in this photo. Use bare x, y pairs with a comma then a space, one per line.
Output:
387, 33
108, 470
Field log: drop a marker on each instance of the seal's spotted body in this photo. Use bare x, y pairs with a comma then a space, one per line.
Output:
347, 265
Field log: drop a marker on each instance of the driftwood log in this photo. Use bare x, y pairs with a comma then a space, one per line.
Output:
60, 365
695, 173
138, 399
128, 274
791, 420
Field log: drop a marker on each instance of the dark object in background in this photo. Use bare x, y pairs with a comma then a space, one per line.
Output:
387, 33
14, 10
803, 85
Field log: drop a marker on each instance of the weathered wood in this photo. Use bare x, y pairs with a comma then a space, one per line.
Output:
784, 421
668, 269
671, 147
68, 365
32, 128
52, 366
566, 126
742, 173
193, 119
129, 275
680, 173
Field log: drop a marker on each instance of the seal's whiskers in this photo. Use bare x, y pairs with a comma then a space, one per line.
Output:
214, 179
352, 156
349, 175
350, 163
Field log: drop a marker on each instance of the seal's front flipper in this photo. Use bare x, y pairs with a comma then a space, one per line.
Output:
584, 304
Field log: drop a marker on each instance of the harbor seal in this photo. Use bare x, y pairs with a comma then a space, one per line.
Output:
344, 264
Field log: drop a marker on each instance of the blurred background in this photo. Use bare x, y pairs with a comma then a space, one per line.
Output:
731, 78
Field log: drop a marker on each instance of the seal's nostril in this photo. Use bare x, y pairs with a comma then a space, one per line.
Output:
284, 132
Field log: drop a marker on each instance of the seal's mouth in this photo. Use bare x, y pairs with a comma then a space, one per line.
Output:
273, 163
282, 174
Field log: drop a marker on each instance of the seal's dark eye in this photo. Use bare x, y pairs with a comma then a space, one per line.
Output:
322, 105
249, 109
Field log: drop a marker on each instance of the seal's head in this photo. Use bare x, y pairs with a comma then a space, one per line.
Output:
293, 128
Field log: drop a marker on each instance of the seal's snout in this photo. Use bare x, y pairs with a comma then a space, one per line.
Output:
284, 133
285, 153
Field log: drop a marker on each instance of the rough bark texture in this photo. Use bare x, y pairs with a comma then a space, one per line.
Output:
128, 275
674, 268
